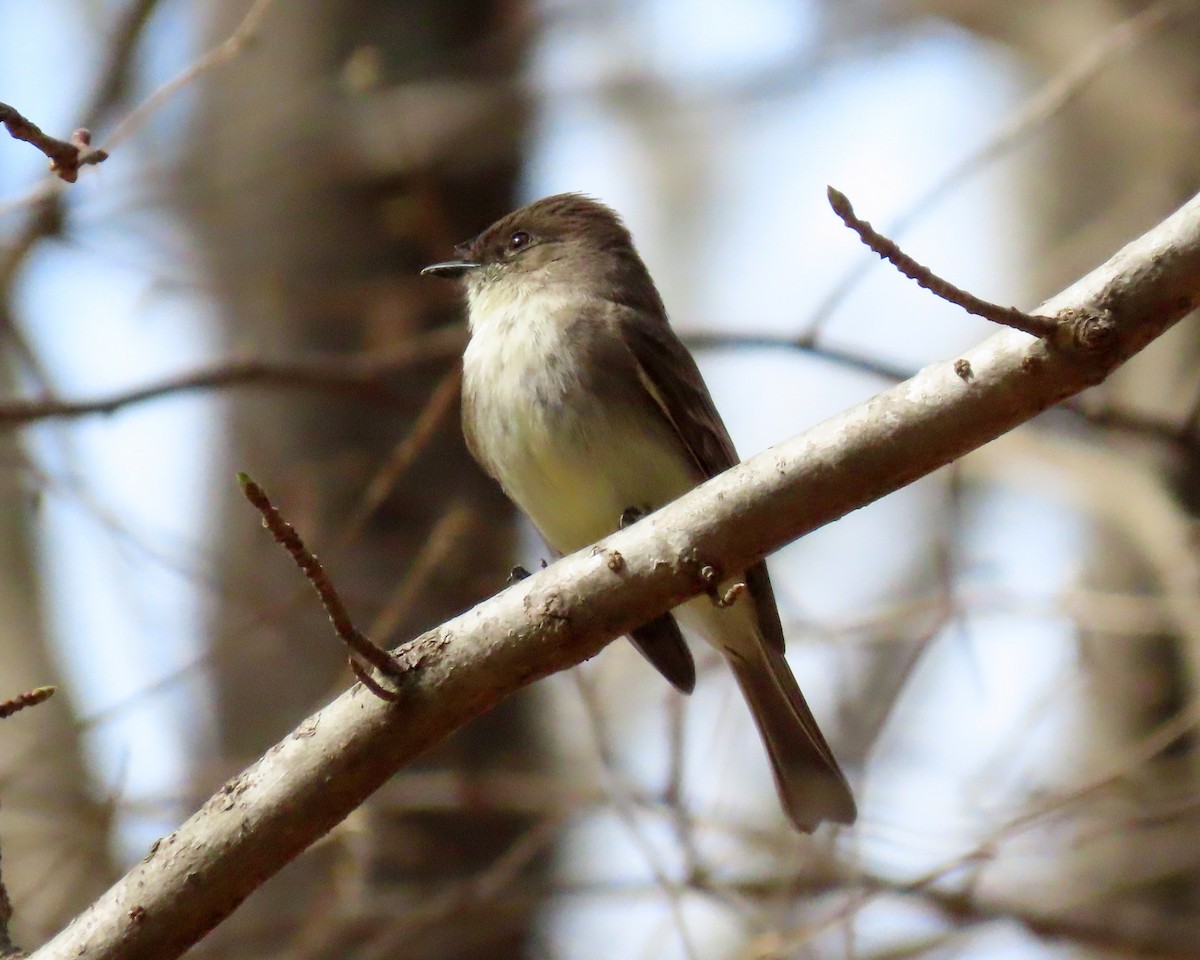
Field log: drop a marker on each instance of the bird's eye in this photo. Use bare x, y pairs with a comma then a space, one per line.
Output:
518, 240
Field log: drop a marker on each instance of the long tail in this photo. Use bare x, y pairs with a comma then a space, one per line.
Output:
811, 786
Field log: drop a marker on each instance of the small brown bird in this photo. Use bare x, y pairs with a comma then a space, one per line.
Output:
582, 402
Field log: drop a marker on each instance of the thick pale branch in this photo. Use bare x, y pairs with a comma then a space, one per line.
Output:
303, 786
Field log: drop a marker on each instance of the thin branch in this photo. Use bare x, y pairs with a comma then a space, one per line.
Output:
29, 699
716, 340
65, 156
1107, 415
1096, 412
560, 616
285, 534
361, 374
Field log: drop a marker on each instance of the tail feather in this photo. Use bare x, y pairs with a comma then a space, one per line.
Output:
811, 786
660, 642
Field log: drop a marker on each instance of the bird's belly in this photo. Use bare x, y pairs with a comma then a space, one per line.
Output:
570, 463
575, 473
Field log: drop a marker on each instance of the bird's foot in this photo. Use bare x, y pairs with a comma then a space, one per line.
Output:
516, 575
710, 579
631, 515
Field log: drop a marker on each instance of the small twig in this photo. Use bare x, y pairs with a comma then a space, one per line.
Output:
1084, 331
807, 342
29, 699
1045, 328
65, 156
368, 681
285, 534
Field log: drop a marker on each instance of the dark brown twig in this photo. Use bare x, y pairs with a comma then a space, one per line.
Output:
368, 681
1045, 104
7, 708
286, 535
30, 698
1042, 327
1086, 331
66, 156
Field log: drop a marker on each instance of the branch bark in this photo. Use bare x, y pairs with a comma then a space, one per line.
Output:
567, 613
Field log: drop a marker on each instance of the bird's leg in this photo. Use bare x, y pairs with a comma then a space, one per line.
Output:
516, 575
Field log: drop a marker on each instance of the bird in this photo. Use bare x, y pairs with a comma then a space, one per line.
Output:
581, 401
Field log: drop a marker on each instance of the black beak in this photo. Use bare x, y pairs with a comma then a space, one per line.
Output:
451, 268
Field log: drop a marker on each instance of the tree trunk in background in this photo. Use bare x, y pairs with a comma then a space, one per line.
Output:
1118, 157
328, 165
53, 834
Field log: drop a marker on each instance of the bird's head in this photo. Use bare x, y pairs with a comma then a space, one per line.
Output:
561, 244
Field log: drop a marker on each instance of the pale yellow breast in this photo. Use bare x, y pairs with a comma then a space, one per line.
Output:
570, 463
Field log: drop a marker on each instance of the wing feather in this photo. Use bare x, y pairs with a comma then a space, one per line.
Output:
672, 381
